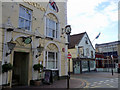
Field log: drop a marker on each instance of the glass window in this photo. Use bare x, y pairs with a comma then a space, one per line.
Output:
91, 54
92, 64
81, 51
87, 51
51, 28
51, 63
84, 64
25, 18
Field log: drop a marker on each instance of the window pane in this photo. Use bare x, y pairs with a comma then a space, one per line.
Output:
84, 64
47, 22
51, 55
56, 60
56, 30
21, 23
50, 32
53, 33
22, 11
51, 65
51, 60
28, 14
51, 28
27, 25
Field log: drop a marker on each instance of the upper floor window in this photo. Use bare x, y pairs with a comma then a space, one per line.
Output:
81, 51
86, 40
91, 54
87, 51
25, 18
52, 28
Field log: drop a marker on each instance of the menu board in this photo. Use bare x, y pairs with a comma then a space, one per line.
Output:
47, 77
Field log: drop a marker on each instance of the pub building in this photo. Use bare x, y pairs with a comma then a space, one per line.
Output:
32, 34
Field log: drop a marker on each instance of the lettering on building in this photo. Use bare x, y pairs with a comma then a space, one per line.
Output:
36, 5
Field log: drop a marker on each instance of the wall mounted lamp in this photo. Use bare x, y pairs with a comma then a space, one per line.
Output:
11, 46
39, 49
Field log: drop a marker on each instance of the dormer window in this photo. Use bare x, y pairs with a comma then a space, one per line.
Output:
86, 40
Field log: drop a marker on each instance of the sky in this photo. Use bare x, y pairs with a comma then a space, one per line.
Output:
94, 17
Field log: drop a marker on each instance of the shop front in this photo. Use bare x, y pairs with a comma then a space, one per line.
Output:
83, 65
105, 63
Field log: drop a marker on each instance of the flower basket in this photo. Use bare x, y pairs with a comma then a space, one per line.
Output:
38, 67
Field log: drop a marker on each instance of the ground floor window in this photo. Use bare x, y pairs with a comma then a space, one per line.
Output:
92, 64
84, 65
51, 60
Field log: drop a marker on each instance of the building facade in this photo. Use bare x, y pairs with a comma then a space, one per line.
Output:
0, 45
107, 56
83, 53
35, 28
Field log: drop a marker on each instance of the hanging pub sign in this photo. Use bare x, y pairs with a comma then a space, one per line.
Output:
27, 40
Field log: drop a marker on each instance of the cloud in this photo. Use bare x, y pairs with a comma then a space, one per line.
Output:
92, 16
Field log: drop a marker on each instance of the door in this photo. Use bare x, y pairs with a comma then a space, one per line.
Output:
76, 67
20, 68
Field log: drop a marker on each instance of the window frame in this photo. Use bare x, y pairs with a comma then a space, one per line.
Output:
55, 31
24, 18
55, 61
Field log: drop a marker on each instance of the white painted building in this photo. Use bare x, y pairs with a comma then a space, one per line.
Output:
83, 53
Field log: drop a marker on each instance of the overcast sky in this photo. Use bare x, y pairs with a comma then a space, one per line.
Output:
94, 16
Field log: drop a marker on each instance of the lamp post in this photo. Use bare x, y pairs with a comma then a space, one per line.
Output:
68, 31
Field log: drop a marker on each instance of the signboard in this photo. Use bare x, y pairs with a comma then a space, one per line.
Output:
69, 56
47, 76
27, 40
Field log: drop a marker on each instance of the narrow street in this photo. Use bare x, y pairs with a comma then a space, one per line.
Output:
99, 79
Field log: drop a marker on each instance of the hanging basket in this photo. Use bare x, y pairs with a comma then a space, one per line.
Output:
7, 67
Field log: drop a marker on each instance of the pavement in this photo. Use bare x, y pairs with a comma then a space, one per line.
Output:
74, 83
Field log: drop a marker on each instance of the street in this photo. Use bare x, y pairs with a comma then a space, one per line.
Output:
99, 79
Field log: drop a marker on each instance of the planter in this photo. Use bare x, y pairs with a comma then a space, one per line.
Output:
6, 86
38, 82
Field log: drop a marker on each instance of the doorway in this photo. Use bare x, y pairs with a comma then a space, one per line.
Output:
76, 67
20, 68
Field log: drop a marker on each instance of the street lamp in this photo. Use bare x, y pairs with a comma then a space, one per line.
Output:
68, 31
